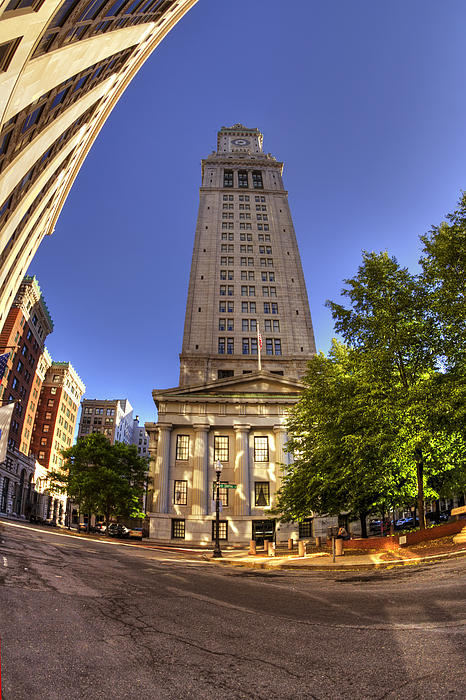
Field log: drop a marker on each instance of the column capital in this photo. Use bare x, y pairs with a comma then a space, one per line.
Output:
279, 428
201, 427
164, 426
241, 427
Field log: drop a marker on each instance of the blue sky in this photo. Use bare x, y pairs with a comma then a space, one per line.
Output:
364, 101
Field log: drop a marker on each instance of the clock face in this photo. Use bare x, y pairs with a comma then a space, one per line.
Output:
240, 142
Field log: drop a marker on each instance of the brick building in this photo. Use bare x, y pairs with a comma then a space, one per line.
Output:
112, 417
54, 427
23, 335
27, 326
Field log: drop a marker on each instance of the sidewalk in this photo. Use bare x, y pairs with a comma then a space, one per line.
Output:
323, 560
425, 553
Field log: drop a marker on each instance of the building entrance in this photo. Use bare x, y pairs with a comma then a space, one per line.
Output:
263, 530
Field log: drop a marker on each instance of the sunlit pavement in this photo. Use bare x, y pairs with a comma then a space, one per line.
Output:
86, 618
241, 557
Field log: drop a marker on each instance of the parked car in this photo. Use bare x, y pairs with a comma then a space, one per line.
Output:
82, 527
99, 528
136, 533
406, 523
376, 526
117, 530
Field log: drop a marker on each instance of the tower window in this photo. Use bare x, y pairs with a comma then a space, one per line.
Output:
181, 493
230, 346
222, 524
257, 180
228, 178
261, 449
243, 178
261, 493
221, 451
178, 529
7, 51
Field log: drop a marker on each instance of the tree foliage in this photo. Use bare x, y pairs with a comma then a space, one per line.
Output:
341, 442
382, 418
101, 477
444, 273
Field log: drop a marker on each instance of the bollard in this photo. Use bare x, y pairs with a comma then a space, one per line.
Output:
339, 547
290, 543
302, 549
270, 549
318, 541
252, 547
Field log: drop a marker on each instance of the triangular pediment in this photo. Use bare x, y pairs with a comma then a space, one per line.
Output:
254, 384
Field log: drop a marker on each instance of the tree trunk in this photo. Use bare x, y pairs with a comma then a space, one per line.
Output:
362, 518
420, 488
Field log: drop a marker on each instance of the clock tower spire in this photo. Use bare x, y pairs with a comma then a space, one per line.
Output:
239, 139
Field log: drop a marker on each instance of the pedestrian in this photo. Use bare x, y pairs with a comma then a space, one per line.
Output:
343, 533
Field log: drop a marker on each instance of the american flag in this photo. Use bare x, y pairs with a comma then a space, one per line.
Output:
3, 362
259, 339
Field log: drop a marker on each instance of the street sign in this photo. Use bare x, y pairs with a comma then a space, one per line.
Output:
224, 486
459, 511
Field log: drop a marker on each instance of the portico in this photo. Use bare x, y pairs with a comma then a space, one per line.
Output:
239, 420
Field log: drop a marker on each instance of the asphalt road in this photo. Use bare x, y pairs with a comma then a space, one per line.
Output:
84, 619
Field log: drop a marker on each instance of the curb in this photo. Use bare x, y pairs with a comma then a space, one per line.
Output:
269, 565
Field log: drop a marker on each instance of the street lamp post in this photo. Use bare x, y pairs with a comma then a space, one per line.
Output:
217, 550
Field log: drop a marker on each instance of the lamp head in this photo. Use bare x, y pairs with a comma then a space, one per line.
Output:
218, 466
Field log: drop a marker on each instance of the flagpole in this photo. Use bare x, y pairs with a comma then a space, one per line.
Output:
259, 347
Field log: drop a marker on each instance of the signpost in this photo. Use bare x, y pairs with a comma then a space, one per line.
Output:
223, 486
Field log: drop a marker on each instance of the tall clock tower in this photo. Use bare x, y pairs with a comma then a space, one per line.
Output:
246, 274
246, 288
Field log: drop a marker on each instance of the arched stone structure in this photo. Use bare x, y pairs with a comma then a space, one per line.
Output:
64, 65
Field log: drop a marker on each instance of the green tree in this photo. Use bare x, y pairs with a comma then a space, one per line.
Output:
341, 442
101, 477
444, 273
388, 321
443, 276
382, 421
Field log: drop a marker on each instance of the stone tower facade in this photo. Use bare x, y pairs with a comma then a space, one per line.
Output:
246, 273
64, 64
246, 278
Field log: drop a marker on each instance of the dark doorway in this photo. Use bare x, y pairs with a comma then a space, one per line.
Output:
263, 530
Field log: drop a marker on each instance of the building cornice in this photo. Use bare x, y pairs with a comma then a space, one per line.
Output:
246, 161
